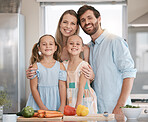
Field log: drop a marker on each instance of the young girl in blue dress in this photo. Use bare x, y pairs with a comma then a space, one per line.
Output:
48, 86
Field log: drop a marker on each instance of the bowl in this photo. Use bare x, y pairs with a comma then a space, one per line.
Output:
131, 113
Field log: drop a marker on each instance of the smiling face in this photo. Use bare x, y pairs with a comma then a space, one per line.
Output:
47, 45
68, 25
89, 23
74, 45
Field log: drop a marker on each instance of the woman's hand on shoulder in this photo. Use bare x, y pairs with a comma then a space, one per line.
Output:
31, 71
88, 72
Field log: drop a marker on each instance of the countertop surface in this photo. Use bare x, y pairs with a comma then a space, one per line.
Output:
118, 118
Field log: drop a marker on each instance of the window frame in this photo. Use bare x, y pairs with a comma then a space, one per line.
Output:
107, 2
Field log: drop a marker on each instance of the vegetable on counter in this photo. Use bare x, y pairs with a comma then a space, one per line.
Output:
35, 114
28, 112
20, 113
52, 112
47, 114
53, 115
69, 111
41, 111
82, 110
130, 106
41, 115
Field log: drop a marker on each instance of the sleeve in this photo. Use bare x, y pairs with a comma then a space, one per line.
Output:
63, 75
37, 74
123, 59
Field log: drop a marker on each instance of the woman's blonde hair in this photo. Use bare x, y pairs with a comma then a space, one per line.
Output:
59, 36
35, 57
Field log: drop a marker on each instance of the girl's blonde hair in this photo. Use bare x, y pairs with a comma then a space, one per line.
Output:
59, 36
35, 57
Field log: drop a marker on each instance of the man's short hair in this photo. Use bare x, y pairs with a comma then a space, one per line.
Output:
84, 8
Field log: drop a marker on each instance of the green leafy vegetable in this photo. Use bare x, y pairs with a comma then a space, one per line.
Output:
28, 112
130, 106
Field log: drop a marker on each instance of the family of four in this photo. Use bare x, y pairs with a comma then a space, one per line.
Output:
63, 67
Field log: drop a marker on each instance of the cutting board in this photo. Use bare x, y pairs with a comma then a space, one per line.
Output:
21, 119
93, 117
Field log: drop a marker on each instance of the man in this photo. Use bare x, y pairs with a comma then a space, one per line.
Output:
111, 61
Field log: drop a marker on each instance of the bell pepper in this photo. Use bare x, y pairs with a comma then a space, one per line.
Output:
82, 110
28, 112
69, 111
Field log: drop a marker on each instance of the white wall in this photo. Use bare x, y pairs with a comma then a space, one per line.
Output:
30, 9
136, 8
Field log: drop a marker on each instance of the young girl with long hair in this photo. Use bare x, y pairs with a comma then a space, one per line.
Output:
78, 86
48, 86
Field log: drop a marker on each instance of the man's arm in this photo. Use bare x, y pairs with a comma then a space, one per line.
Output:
125, 92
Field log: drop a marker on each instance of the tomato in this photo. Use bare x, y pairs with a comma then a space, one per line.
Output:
69, 111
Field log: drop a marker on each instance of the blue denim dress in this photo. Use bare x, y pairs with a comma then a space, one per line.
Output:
48, 81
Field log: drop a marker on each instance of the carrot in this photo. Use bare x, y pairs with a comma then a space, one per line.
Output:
53, 115
35, 114
41, 111
52, 112
41, 115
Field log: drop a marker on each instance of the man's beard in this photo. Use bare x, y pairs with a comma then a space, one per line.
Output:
95, 28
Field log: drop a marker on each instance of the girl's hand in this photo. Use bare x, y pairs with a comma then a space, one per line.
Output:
61, 108
88, 72
43, 108
30, 72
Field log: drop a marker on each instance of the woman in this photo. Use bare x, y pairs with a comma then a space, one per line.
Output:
67, 26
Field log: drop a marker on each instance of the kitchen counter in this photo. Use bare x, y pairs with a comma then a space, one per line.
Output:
118, 118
